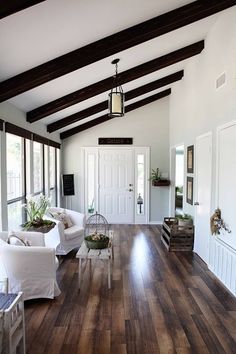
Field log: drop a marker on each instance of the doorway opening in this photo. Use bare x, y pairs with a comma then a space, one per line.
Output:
179, 179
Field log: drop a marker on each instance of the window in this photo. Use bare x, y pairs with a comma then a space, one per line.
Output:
53, 175
91, 183
140, 183
15, 180
38, 168
31, 169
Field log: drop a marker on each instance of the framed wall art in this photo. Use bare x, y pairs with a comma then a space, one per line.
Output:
190, 159
189, 195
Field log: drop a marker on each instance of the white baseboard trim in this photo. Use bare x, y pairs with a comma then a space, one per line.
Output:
155, 222
222, 283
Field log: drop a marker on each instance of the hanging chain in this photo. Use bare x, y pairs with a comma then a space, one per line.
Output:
116, 81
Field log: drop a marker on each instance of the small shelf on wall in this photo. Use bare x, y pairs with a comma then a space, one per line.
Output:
161, 183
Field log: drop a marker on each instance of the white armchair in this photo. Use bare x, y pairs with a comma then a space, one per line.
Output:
30, 269
64, 239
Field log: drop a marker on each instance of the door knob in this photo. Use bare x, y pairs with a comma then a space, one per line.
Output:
130, 190
196, 203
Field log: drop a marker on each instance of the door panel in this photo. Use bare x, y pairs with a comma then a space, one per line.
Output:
115, 175
226, 181
203, 195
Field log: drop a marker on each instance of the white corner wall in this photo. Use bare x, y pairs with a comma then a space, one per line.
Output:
148, 126
12, 114
197, 107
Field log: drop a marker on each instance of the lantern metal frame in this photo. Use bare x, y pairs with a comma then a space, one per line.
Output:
116, 95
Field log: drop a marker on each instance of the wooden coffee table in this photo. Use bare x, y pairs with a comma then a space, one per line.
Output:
84, 253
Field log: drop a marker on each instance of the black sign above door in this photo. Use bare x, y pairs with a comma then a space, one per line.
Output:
115, 141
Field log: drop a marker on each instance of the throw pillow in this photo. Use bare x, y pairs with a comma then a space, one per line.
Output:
15, 240
68, 220
55, 215
62, 216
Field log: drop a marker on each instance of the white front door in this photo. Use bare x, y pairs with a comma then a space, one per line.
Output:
116, 185
203, 195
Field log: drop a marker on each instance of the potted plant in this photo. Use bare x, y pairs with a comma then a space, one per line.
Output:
91, 207
155, 176
157, 180
97, 241
184, 220
36, 208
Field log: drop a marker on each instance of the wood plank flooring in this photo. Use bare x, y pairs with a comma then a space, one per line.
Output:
160, 302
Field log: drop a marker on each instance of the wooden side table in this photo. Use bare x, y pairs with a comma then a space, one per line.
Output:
13, 324
104, 254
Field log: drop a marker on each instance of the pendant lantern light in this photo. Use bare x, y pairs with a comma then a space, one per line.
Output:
116, 99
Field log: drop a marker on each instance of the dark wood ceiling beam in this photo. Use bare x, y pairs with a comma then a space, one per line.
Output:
73, 118
110, 45
106, 84
105, 117
12, 6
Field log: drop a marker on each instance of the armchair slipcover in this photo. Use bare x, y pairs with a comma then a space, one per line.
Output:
65, 239
30, 269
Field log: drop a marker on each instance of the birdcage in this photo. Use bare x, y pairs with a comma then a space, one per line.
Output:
97, 232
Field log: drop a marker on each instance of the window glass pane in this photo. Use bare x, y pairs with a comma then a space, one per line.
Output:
52, 174
38, 167
91, 183
16, 215
14, 166
53, 197
140, 184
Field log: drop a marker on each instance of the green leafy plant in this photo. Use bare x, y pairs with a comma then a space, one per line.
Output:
184, 220
155, 174
36, 208
179, 189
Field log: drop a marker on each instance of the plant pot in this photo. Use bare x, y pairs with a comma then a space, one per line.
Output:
161, 183
96, 244
155, 183
44, 228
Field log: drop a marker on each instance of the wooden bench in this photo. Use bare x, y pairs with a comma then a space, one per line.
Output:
84, 253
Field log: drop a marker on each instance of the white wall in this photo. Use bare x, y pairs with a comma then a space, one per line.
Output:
196, 106
12, 114
148, 126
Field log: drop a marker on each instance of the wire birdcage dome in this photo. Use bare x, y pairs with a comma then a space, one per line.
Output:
97, 224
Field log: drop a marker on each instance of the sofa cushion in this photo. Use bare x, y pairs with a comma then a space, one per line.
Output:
62, 216
73, 232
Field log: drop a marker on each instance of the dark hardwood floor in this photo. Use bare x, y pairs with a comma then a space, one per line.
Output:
160, 302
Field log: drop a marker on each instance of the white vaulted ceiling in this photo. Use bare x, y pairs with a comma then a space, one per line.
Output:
52, 28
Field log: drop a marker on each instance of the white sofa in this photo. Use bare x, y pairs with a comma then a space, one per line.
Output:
64, 239
30, 269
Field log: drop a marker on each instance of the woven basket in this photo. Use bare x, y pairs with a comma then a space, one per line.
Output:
96, 244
